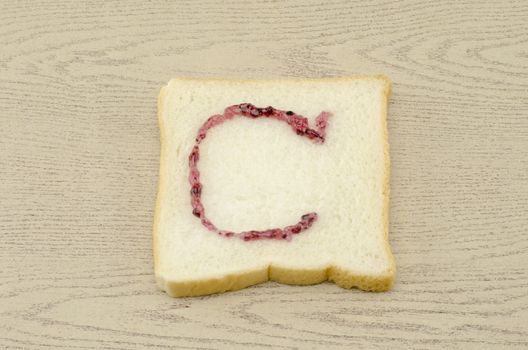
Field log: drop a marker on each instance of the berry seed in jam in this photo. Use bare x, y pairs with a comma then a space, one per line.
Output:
299, 125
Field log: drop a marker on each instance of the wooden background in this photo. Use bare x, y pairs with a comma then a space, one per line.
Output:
79, 164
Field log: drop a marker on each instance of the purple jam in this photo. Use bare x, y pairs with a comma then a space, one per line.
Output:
299, 125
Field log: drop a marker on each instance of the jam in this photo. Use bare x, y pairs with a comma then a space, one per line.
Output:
299, 125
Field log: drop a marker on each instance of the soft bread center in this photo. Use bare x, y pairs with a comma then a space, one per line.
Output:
258, 174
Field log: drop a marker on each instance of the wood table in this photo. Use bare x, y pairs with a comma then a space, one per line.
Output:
79, 152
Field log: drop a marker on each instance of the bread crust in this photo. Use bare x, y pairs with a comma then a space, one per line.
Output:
230, 282
161, 180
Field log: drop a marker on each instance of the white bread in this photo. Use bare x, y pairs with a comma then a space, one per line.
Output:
257, 174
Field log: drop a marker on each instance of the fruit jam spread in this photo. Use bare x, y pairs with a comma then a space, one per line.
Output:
298, 123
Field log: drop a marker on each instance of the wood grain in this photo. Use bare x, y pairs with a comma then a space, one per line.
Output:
79, 164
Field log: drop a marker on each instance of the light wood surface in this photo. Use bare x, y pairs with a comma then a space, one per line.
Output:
79, 163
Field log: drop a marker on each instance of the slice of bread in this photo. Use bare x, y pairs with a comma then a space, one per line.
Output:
257, 174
